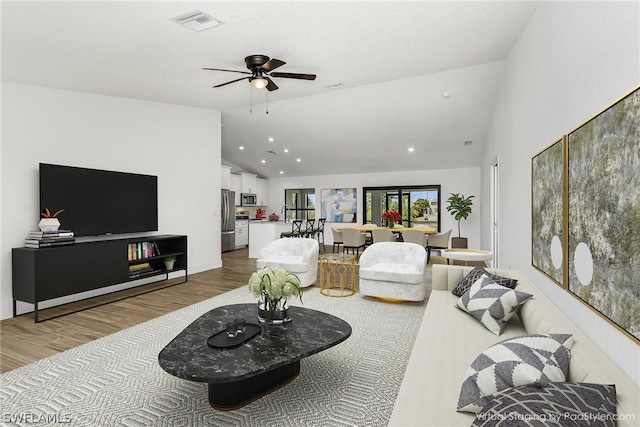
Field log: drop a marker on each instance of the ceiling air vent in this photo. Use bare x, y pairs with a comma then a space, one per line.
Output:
196, 20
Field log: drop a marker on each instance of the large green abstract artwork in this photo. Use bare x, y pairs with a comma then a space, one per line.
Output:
604, 213
546, 208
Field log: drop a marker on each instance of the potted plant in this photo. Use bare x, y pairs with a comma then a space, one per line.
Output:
274, 286
169, 261
460, 208
49, 221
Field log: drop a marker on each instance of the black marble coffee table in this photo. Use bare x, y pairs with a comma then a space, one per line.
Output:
238, 375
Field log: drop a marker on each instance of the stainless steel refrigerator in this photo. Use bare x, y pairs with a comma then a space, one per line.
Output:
228, 220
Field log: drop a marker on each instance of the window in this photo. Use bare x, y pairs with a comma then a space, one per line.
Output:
300, 203
417, 205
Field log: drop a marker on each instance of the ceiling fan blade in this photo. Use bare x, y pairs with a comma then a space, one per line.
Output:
294, 76
229, 71
271, 86
232, 81
272, 64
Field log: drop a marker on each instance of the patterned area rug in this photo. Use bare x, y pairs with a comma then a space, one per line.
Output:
116, 380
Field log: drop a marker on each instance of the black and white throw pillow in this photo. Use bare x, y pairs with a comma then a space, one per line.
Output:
475, 274
525, 360
555, 404
492, 304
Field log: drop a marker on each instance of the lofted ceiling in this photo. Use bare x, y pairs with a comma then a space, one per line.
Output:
394, 60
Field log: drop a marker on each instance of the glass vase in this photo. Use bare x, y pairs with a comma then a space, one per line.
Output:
391, 223
273, 312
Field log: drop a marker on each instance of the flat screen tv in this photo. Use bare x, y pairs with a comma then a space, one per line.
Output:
99, 202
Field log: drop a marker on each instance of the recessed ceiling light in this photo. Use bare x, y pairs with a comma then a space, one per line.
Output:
411, 149
286, 150
446, 94
241, 147
281, 172
263, 161
298, 160
271, 139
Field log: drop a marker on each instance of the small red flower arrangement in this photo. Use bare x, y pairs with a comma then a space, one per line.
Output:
393, 215
274, 217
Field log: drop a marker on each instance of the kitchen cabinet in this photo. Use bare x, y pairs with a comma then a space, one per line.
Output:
242, 233
236, 186
249, 182
262, 191
225, 177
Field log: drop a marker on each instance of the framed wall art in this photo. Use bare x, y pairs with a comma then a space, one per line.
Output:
603, 209
547, 201
339, 204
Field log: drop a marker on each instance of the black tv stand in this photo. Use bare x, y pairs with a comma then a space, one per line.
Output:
89, 264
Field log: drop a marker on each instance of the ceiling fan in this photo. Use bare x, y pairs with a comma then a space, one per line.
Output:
262, 67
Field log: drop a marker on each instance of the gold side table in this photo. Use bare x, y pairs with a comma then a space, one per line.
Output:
337, 274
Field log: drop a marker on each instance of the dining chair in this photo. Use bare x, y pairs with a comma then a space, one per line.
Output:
353, 239
383, 235
309, 230
337, 239
415, 236
318, 231
438, 241
296, 227
367, 234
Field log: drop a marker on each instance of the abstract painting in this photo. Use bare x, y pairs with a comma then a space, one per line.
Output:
339, 204
547, 211
604, 213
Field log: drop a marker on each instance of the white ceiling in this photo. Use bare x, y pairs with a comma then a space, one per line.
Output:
395, 60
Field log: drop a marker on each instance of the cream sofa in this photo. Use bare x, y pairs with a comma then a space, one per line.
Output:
449, 340
295, 255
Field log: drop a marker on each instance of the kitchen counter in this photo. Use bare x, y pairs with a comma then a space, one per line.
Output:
263, 232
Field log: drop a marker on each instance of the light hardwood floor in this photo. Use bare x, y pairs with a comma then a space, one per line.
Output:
22, 341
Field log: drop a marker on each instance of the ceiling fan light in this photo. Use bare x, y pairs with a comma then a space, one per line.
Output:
259, 82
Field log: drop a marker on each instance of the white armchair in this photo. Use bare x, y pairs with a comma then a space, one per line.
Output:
299, 256
394, 270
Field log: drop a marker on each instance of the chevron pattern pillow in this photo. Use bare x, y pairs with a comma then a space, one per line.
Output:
555, 404
528, 359
468, 280
492, 304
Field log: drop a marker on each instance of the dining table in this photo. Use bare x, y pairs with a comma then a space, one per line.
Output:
399, 230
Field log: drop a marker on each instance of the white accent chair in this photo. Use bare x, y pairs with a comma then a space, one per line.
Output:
394, 270
438, 241
299, 256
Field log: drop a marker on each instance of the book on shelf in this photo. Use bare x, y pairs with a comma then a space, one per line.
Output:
50, 234
37, 244
141, 250
140, 269
49, 240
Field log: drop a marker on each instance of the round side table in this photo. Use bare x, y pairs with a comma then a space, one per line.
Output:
467, 255
337, 274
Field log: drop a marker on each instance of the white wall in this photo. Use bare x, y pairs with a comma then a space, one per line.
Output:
572, 60
181, 145
464, 180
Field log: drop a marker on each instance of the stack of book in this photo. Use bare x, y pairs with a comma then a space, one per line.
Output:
140, 269
47, 239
